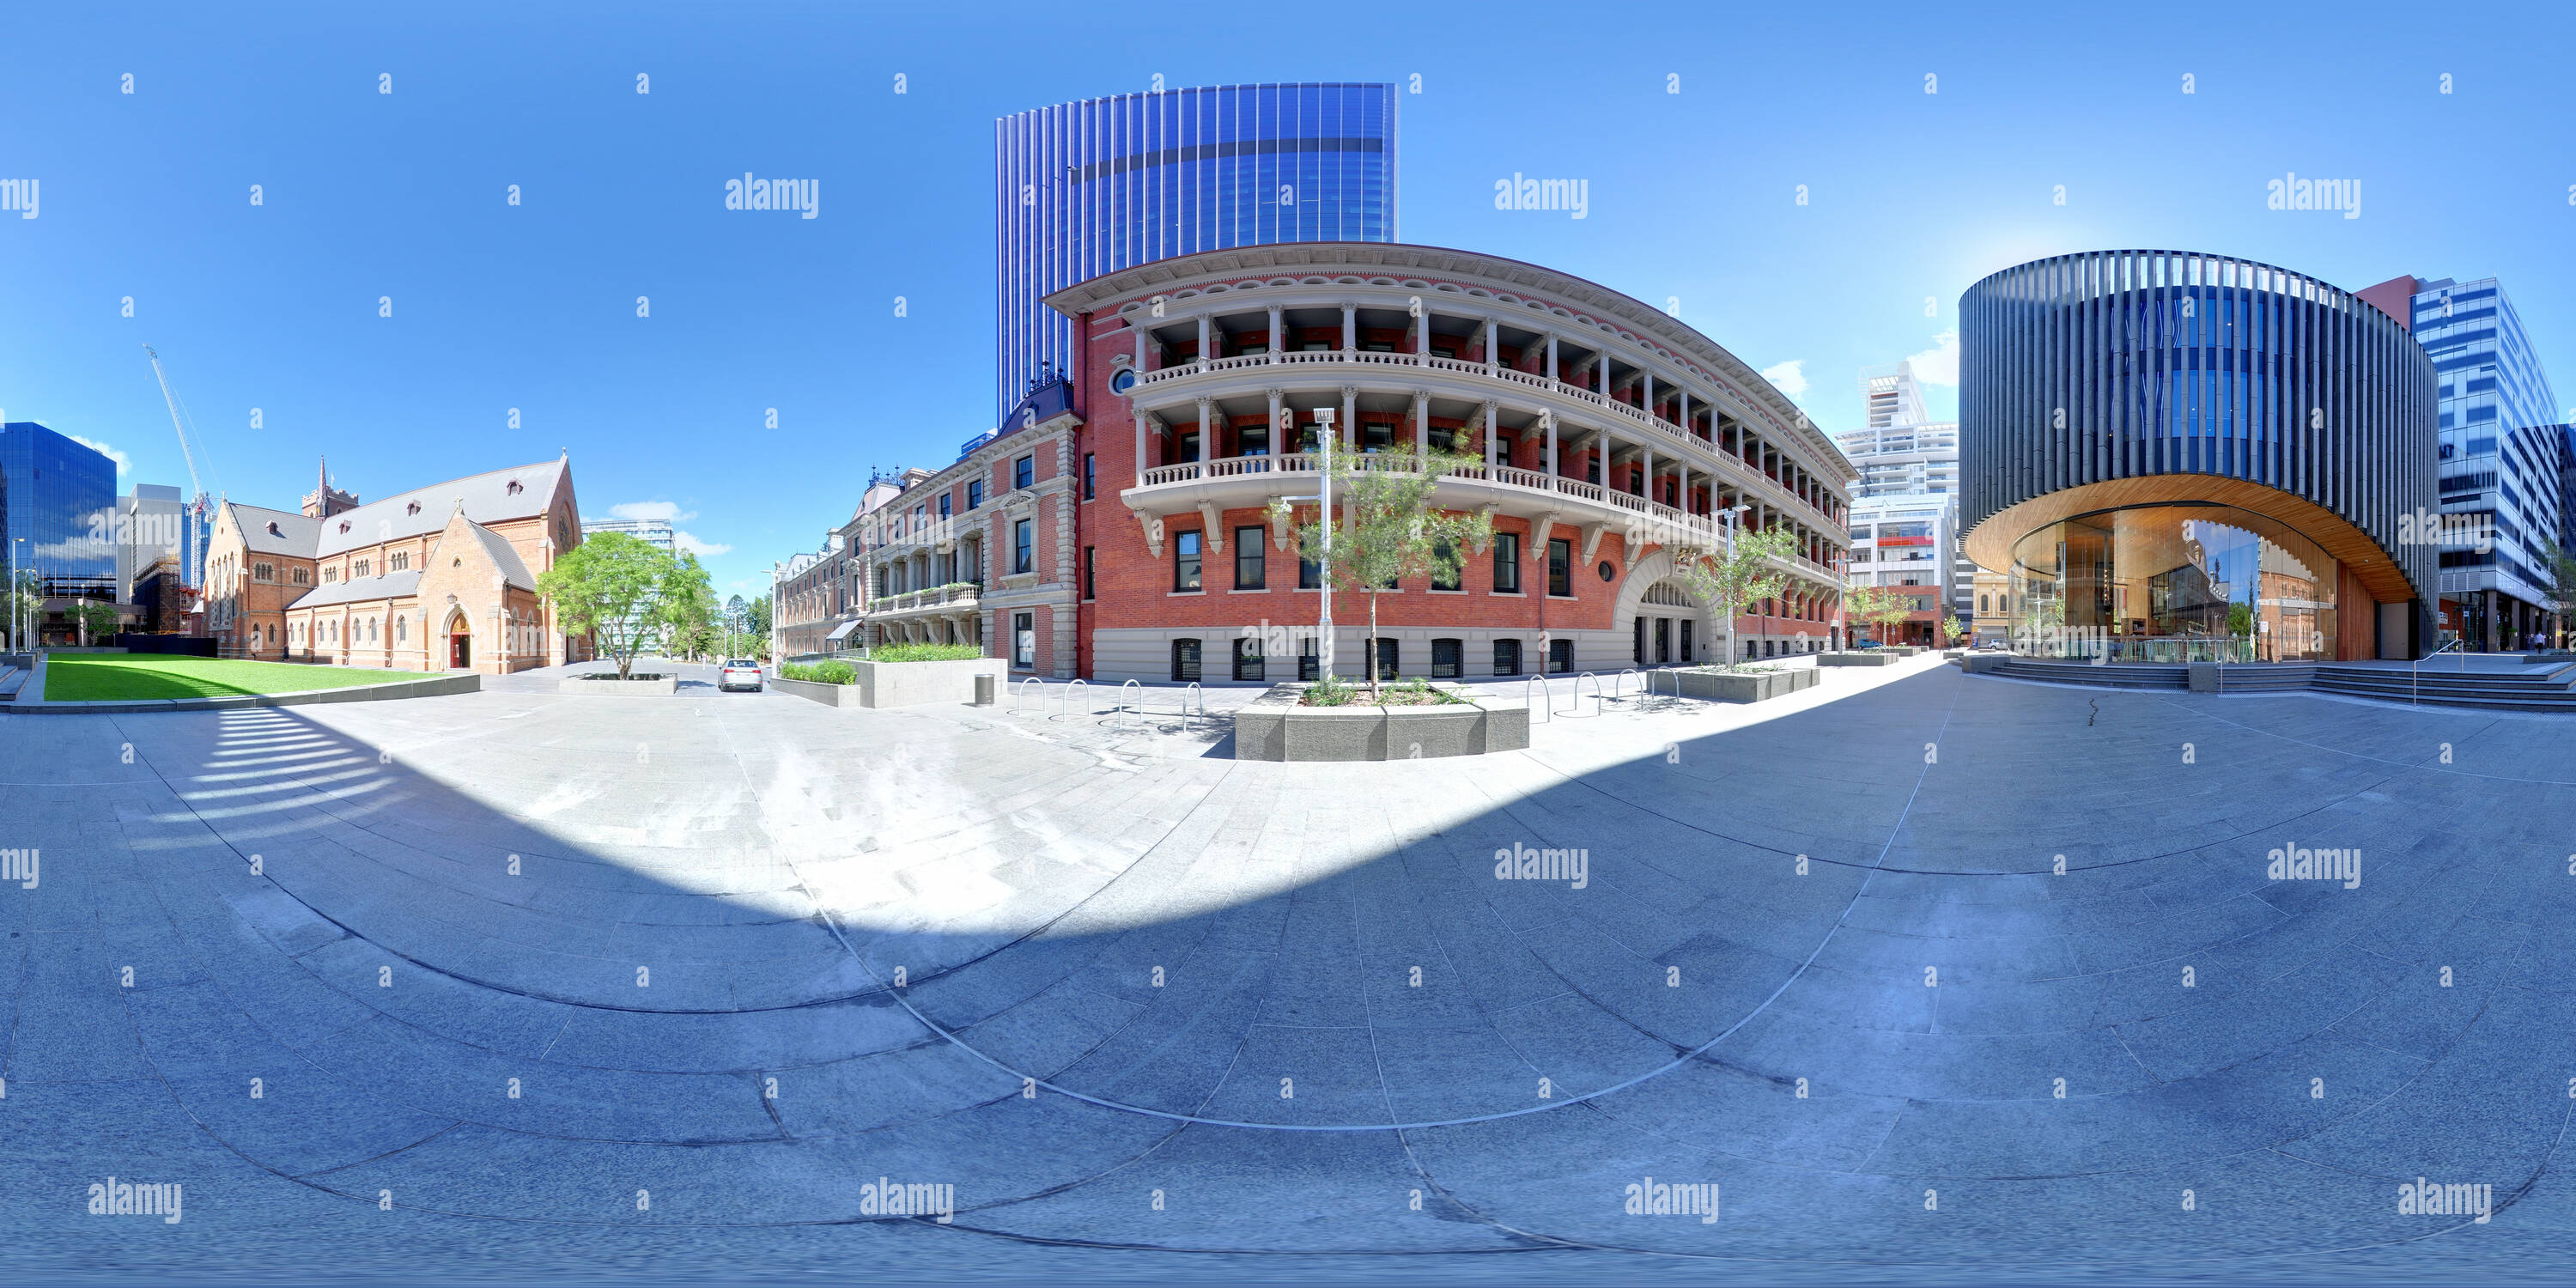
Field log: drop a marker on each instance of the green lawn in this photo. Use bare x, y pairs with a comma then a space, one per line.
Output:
94, 677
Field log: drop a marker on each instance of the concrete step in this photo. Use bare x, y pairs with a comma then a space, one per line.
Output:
2115, 675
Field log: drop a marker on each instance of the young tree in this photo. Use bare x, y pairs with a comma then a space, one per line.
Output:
1952, 630
620, 591
1879, 606
2562, 586
96, 621
1385, 528
19, 609
689, 611
1732, 580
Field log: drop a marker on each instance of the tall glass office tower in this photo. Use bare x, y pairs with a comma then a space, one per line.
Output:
2499, 461
61, 511
1082, 189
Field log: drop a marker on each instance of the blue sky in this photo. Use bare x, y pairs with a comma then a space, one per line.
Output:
368, 195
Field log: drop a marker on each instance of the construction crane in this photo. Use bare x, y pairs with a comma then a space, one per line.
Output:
200, 512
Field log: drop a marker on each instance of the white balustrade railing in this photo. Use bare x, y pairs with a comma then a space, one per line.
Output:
1672, 525
1756, 476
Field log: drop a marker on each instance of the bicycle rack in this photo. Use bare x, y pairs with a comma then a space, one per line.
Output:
1123, 708
1020, 703
1619, 685
1574, 701
1676, 678
1185, 700
1546, 702
1066, 700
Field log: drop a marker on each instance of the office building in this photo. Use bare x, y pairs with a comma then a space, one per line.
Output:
1086, 188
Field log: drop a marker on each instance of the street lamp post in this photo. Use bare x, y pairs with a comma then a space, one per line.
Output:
1734, 516
1324, 557
1842, 591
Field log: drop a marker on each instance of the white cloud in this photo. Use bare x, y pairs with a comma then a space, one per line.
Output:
1938, 365
666, 511
122, 463
702, 549
1790, 376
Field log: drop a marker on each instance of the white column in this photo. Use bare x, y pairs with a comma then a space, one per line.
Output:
1349, 430
1681, 485
1207, 428
1493, 339
1551, 446
1145, 351
1648, 402
1551, 358
1140, 451
1421, 422
1684, 395
1204, 355
1493, 430
1276, 346
1280, 440
1350, 327
1650, 473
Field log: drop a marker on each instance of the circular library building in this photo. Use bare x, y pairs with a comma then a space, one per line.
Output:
2167, 456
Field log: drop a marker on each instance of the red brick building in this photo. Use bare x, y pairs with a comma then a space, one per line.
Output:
1116, 526
438, 579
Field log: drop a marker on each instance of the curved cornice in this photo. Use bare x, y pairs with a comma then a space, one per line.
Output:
1567, 301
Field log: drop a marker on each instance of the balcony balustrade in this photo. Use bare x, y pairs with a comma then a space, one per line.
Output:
1636, 416
1666, 525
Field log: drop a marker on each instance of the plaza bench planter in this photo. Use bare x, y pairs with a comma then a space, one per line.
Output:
1276, 727
1858, 657
615, 688
829, 695
1745, 686
914, 684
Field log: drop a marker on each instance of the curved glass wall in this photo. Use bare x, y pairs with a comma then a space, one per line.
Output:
2172, 583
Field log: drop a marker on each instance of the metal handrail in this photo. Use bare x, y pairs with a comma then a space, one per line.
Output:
2415, 669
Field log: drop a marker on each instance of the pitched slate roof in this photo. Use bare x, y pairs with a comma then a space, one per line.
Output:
423, 511
392, 585
295, 534
504, 555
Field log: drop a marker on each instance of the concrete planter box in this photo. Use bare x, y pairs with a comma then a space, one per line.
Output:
913, 684
830, 695
1859, 657
1984, 663
1275, 727
1745, 686
668, 684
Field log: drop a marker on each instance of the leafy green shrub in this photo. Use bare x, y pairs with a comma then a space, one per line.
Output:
1330, 691
924, 653
819, 672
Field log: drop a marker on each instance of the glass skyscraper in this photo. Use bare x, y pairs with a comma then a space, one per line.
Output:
1082, 189
61, 512
2500, 430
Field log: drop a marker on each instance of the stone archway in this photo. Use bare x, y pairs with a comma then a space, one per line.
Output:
459, 635
1652, 591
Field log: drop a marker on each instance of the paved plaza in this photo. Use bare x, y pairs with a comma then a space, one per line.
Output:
1928, 975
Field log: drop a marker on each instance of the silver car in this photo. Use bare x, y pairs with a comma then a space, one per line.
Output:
742, 672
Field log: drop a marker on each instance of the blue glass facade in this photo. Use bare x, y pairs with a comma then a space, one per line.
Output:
2500, 430
61, 510
1082, 189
